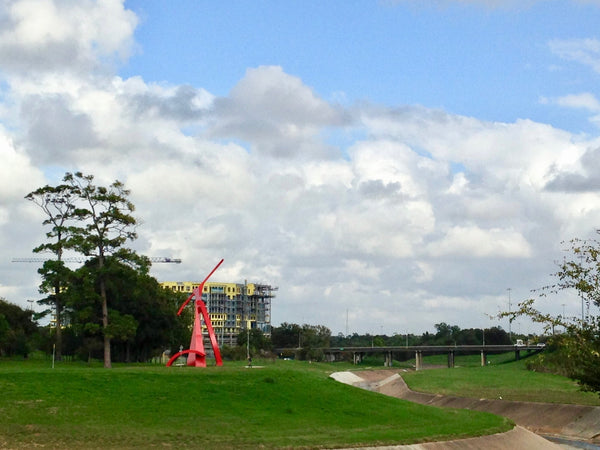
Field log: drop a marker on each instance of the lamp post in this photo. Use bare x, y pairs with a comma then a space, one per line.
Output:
247, 342
509, 318
580, 293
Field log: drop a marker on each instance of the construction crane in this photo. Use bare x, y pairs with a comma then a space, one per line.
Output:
153, 259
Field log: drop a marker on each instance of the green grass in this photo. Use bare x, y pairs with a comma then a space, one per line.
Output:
472, 360
289, 404
504, 378
461, 360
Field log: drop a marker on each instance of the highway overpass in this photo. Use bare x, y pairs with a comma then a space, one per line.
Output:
335, 353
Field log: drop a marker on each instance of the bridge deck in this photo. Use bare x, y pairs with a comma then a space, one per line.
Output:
426, 348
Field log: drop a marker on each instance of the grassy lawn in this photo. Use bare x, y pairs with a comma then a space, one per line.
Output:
284, 404
504, 378
461, 360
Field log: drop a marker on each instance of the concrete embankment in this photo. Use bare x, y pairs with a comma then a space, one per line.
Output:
574, 422
516, 439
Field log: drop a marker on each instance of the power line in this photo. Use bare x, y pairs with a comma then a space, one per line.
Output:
154, 259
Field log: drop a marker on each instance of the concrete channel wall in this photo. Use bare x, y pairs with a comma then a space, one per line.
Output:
577, 423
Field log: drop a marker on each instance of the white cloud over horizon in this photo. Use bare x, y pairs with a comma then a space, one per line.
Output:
405, 215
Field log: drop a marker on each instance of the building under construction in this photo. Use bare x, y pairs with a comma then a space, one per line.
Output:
232, 307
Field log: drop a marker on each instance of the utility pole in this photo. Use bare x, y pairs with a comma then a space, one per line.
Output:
580, 293
247, 344
346, 322
509, 318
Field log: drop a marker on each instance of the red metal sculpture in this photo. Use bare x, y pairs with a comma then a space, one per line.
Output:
196, 354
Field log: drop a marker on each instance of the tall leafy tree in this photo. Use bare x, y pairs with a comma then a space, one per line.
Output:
58, 204
105, 226
17, 329
576, 351
287, 335
143, 318
308, 338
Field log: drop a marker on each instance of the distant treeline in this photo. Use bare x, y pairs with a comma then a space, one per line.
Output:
291, 335
445, 335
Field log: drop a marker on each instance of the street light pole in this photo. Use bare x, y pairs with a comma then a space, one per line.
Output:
580, 293
509, 318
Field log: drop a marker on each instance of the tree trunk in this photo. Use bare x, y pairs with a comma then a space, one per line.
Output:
107, 363
58, 305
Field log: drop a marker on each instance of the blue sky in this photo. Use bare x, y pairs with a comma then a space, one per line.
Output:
369, 157
470, 59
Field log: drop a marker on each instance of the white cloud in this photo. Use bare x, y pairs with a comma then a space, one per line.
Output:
475, 242
583, 51
16, 171
585, 101
276, 113
48, 35
428, 212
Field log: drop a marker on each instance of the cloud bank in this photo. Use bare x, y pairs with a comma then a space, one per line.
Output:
401, 217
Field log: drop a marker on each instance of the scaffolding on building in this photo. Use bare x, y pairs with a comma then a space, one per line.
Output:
234, 307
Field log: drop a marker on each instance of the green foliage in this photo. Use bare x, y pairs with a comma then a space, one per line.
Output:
104, 225
58, 204
259, 343
234, 353
111, 296
17, 330
287, 335
309, 339
143, 315
445, 335
576, 352
104, 217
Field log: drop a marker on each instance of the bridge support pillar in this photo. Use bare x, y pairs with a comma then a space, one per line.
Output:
451, 359
357, 357
418, 360
517, 355
483, 358
388, 359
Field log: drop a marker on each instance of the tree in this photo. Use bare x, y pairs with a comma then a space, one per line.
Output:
575, 352
446, 334
106, 224
143, 318
308, 338
287, 335
258, 340
57, 203
16, 329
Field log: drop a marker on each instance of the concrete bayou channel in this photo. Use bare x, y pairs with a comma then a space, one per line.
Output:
575, 426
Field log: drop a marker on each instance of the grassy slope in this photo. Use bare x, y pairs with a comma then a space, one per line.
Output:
287, 404
503, 378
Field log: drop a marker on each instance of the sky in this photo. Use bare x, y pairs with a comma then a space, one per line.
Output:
388, 165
